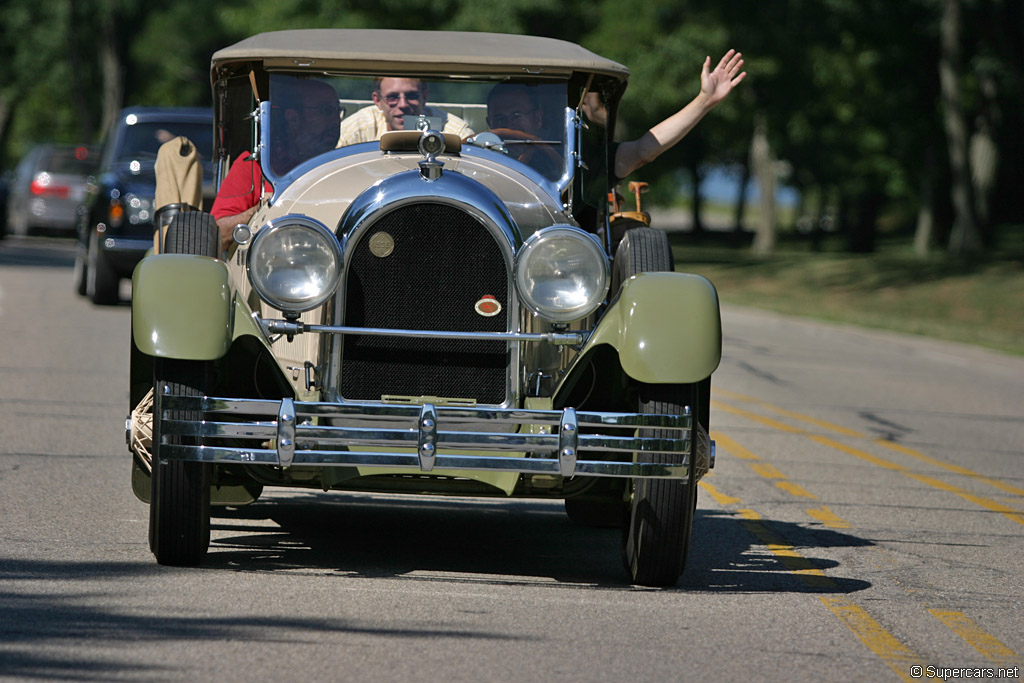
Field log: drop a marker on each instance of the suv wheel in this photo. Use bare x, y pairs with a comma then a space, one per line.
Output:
101, 282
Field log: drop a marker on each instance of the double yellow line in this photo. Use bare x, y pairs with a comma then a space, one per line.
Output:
870, 632
987, 503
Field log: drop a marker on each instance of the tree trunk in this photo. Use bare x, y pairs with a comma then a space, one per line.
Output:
111, 69
741, 200
697, 220
965, 237
984, 157
762, 165
863, 222
924, 234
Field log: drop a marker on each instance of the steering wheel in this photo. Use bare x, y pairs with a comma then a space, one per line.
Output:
527, 155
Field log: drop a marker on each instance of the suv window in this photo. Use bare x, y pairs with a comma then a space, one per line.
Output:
142, 139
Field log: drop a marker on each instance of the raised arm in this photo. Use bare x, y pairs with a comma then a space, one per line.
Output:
715, 86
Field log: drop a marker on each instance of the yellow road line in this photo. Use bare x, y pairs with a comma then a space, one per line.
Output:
789, 413
987, 503
790, 558
985, 643
767, 471
871, 633
723, 441
720, 498
828, 518
894, 653
795, 490
885, 443
899, 448
767, 421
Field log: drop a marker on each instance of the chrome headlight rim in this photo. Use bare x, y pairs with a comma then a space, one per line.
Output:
589, 246
271, 230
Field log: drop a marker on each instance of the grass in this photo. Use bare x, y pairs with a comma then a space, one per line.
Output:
977, 302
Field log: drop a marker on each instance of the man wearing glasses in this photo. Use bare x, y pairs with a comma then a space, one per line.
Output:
394, 99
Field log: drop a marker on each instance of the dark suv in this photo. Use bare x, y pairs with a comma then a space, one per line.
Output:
116, 228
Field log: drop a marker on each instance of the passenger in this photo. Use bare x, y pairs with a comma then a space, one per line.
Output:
715, 86
304, 122
515, 107
393, 100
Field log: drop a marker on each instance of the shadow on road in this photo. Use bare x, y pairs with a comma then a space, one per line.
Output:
495, 541
37, 252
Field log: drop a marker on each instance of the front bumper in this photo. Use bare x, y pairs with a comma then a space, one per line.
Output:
290, 433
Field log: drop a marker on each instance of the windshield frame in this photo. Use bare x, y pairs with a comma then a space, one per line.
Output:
557, 182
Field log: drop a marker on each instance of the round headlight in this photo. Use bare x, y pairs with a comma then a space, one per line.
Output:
562, 273
294, 263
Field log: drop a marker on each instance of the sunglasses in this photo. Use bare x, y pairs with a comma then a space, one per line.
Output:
393, 98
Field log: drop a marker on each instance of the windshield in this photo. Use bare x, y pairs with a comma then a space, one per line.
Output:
525, 121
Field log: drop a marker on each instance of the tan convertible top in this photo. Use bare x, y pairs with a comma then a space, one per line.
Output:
382, 51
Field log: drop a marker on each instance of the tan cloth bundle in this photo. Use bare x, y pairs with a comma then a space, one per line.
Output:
179, 184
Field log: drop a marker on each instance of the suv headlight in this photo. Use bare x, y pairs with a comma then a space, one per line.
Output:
561, 273
294, 263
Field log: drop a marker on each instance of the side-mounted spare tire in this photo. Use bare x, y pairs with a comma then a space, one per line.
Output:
192, 232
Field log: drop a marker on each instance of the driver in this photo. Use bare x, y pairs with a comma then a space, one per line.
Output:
514, 106
514, 113
393, 100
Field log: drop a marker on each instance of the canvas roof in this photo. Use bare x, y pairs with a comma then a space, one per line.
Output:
384, 51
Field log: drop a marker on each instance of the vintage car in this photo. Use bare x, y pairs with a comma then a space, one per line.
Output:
115, 227
425, 312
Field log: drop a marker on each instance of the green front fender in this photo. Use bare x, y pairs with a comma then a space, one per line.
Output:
666, 328
181, 307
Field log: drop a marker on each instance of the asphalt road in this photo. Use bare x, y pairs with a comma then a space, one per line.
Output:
865, 517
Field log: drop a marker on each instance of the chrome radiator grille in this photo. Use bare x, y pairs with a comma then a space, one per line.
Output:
425, 267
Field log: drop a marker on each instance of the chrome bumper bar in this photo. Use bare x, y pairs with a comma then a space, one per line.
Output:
290, 433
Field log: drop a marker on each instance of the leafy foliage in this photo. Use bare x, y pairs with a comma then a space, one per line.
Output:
848, 89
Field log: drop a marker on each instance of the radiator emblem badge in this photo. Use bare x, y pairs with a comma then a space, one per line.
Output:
488, 306
382, 244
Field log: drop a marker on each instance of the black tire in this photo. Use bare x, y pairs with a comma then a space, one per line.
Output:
101, 282
81, 269
642, 250
179, 508
193, 232
656, 535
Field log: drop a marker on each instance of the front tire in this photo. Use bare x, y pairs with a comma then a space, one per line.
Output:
179, 509
656, 536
